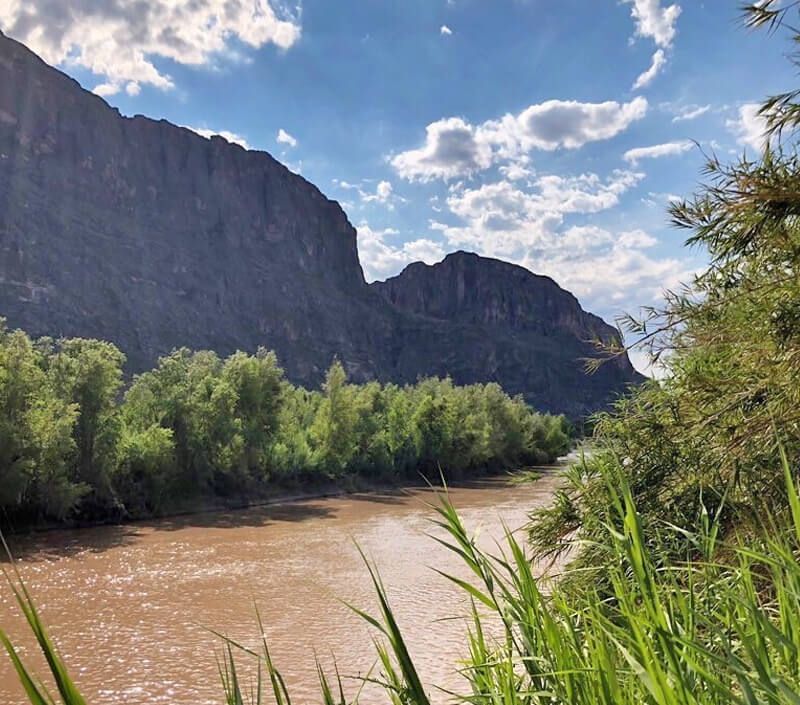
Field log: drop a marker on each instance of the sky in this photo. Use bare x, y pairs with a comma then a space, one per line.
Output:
552, 134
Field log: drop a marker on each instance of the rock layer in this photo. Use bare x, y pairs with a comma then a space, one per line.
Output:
151, 236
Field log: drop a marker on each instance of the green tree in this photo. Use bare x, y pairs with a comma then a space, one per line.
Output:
145, 477
256, 383
399, 431
37, 446
430, 431
333, 431
88, 374
183, 394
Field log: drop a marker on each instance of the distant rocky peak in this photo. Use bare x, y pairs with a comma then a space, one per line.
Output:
468, 288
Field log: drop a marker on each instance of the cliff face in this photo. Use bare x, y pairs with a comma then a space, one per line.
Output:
155, 237
497, 321
471, 290
148, 235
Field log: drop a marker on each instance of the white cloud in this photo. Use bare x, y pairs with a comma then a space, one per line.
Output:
516, 171
424, 250
690, 112
660, 200
450, 150
636, 238
646, 78
501, 219
611, 273
456, 149
749, 127
655, 21
230, 136
444, 29
119, 40
381, 259
563, 123
285, 138
105, 89
383, 192
657, 150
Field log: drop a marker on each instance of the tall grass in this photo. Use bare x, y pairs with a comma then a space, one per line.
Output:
720, 627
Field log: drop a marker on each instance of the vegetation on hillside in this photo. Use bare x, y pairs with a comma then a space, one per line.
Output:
198, 426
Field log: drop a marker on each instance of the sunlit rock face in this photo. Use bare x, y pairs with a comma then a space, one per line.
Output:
151, 236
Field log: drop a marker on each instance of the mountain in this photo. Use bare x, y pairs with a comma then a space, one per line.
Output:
520, 329
149, 235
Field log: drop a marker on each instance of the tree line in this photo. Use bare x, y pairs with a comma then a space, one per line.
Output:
74, 444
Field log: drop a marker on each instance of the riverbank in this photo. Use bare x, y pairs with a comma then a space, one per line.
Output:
288, 494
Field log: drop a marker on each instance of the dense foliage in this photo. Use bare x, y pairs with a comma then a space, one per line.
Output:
198, 426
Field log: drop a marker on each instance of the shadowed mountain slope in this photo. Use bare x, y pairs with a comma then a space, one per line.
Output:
148, 235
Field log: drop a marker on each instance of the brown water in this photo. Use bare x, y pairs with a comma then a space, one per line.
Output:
129, 606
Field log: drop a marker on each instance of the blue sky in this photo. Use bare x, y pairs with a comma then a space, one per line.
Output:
552, 134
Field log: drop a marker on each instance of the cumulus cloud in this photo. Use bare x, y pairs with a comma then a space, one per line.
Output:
380, 258
749, 127
611, 272
444, 29
119, 40
383, 191
526, 221
563, 123
230, 136
654, 21
516, 171
657, 150
344, 184
454, 148
382, 194
690, 112
105, 89
647, 77
502, 219
285, 138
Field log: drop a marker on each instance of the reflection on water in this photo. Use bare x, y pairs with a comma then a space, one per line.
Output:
130, 607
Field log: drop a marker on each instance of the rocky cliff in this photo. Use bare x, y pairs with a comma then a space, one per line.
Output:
523, 330
146, 234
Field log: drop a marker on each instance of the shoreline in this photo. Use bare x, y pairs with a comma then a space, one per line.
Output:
281, 496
